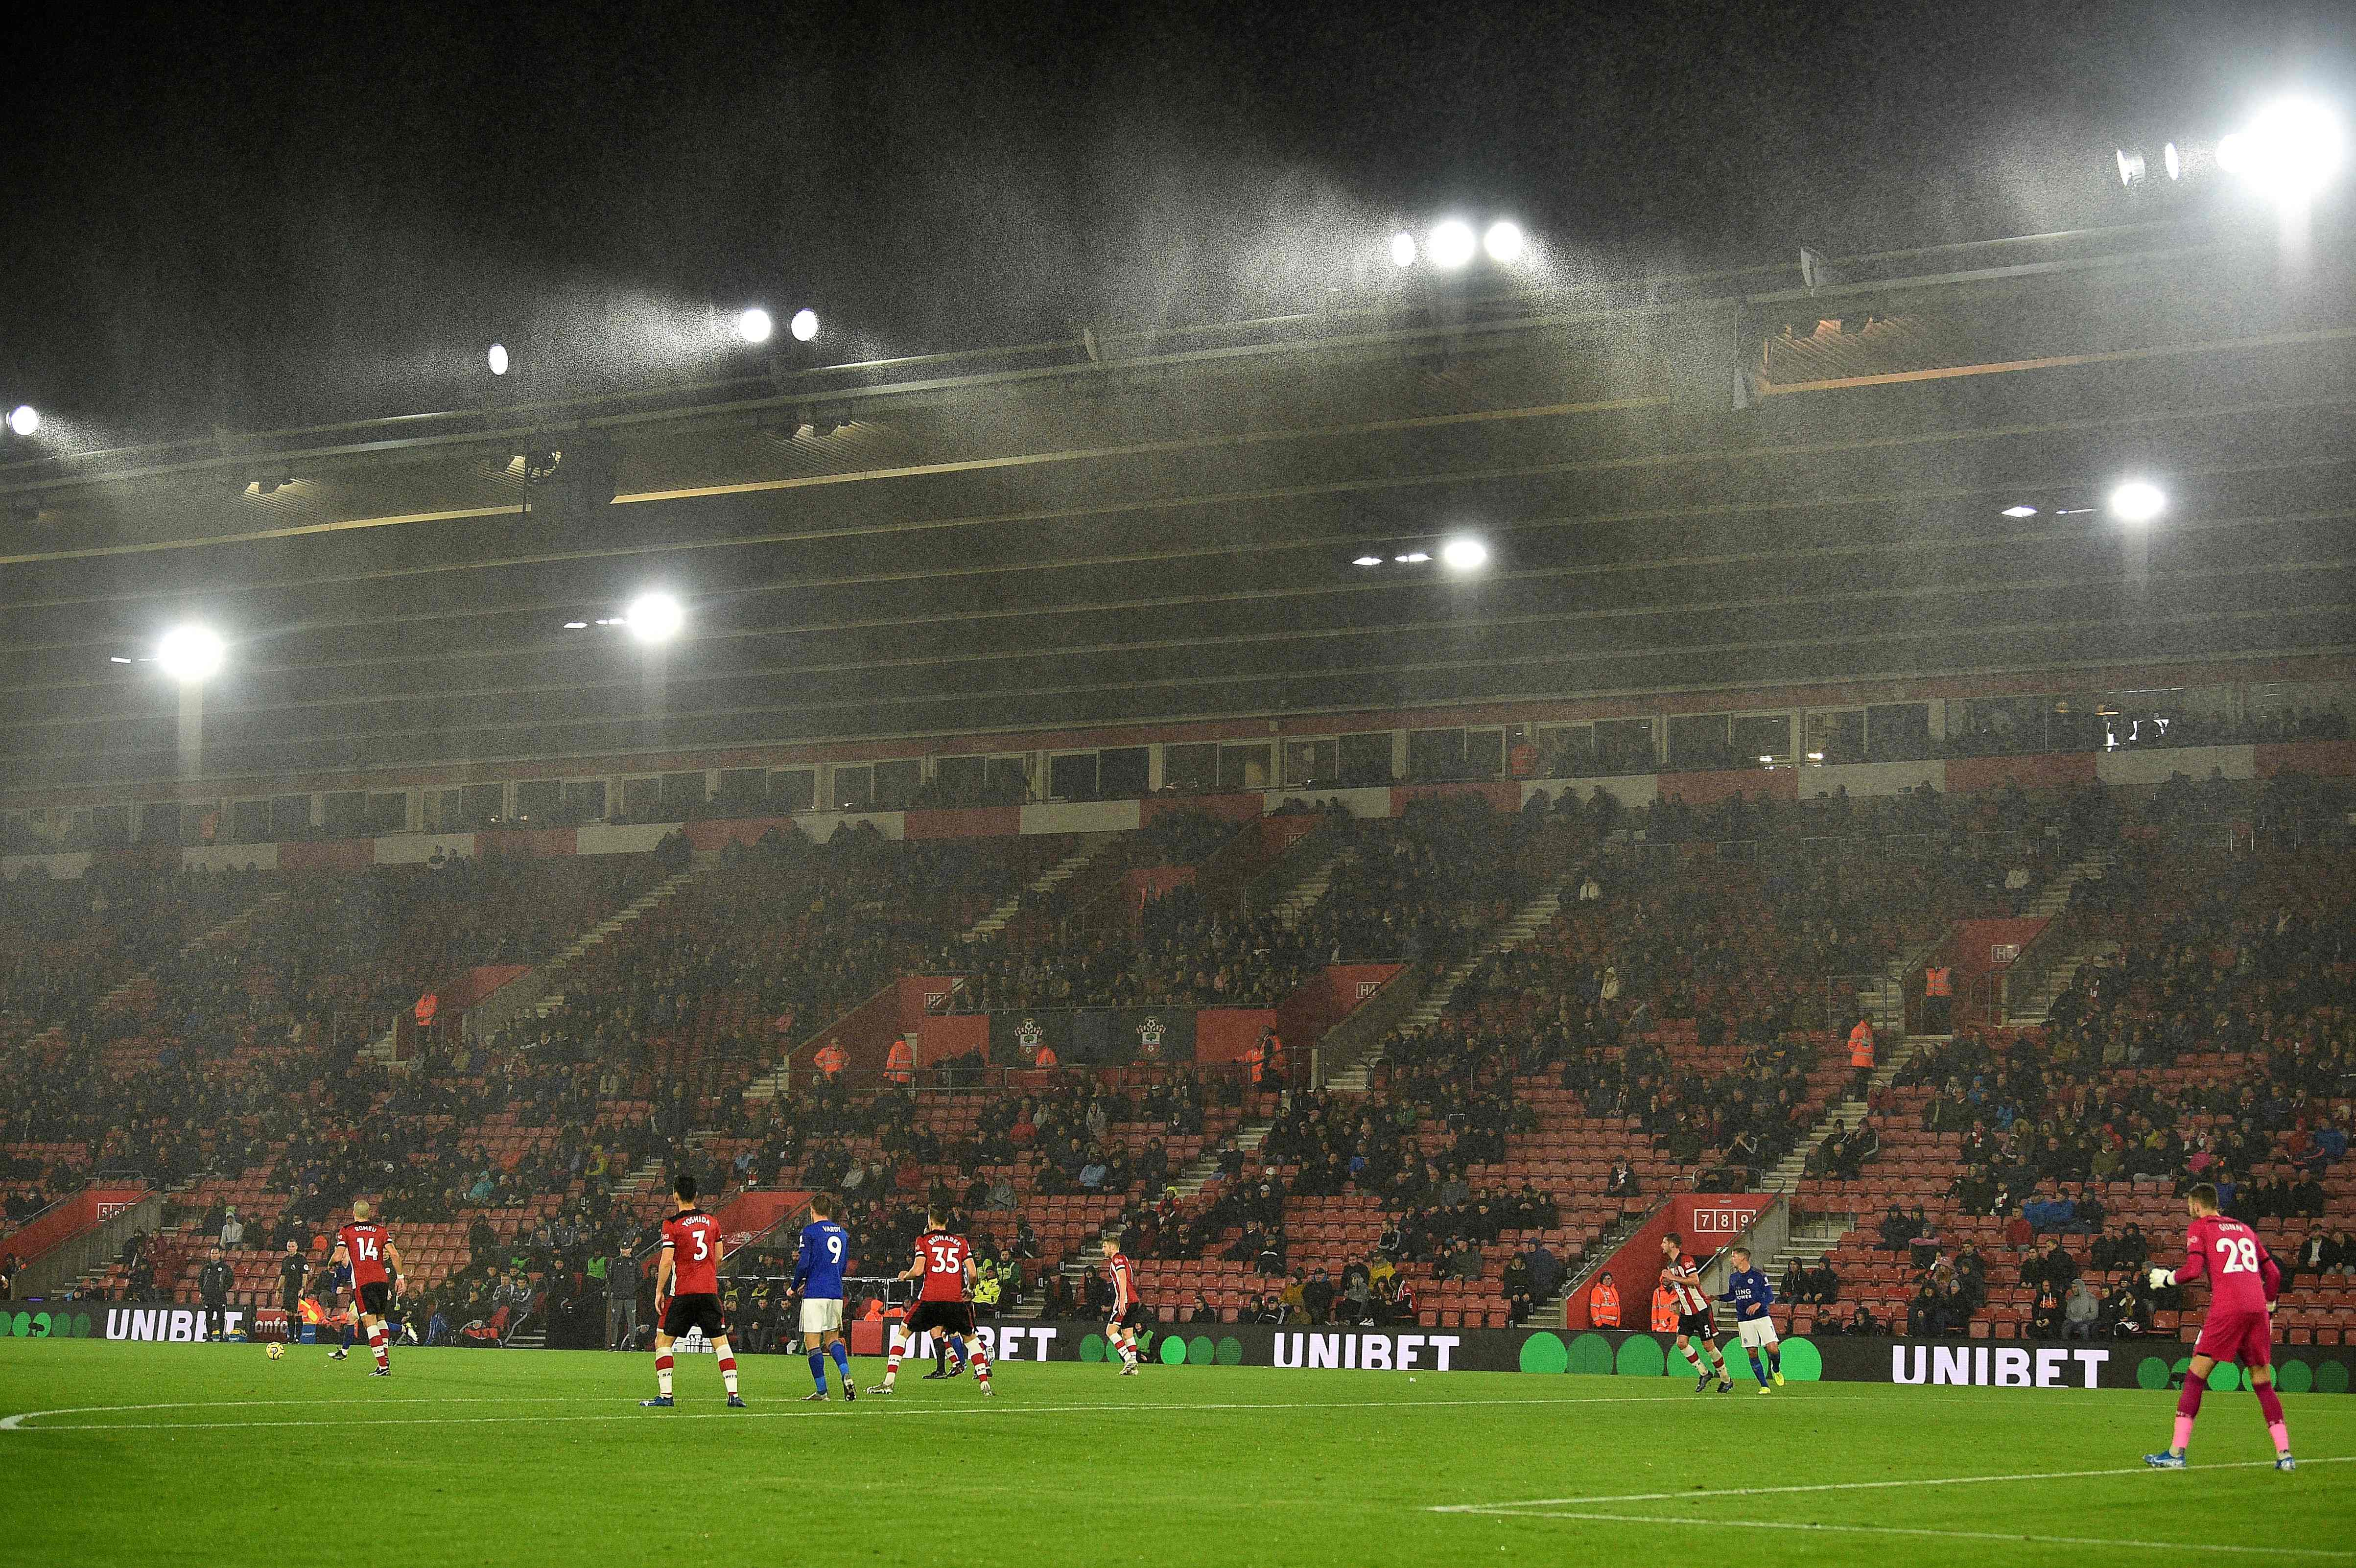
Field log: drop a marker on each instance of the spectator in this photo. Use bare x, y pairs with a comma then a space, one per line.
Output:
232, 1230
2082, 1313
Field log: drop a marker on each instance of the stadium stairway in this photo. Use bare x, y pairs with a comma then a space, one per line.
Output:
2054, 897
233, 926
535, 994
1055, 876
1503, 937
2035, 1010
1784, 1179
1303, 895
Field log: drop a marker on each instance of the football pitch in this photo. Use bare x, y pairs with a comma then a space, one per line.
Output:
193, 1454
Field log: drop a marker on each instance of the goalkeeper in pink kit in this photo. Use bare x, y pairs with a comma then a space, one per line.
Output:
2243, 1285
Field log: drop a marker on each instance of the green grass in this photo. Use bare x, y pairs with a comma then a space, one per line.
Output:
525, 1458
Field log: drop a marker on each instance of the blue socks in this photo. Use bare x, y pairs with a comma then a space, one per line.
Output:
841, 1358
1756, 1370
817, 1369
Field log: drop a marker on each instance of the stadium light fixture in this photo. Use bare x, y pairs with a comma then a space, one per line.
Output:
754, 326
2023, 511
654, 618
2291, 149
1452, 245
1505, 242
192, 653
1412, 558
2131, 168
498, 357
1464, 553
24, 419
1367, 561
1402, 248
576, 625
804, 325
2173, 161
2138, 501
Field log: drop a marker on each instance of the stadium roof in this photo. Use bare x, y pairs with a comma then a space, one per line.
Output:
1686, 484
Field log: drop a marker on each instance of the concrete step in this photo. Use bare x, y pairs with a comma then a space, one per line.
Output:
1503, 937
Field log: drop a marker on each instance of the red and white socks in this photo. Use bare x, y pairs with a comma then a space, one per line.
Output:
377, 1346
662, 1373
727, 1362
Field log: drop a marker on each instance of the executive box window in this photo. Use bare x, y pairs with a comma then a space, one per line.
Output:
538, 800
1191, 768
1245, 767
1125, 772
1072, 775
346, 812
388, 812
1624, 746
1318, 762
896, 783
793, 789
958, 781
853, 788
1366, 759
1763, 735
1898, 731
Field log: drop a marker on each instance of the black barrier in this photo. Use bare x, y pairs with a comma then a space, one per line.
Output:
2001, 1363
1093, 1037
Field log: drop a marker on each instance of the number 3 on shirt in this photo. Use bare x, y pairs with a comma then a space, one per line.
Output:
702, 1249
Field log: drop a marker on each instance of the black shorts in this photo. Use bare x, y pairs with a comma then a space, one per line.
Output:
686, 1312
1130, 1317
1698, 1325
942, 1316
376, 1298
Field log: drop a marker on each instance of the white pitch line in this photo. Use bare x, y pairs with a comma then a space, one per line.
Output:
1850, 1487
2009, 1537
14, 1422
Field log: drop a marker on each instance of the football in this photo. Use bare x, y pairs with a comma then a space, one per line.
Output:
274, 1350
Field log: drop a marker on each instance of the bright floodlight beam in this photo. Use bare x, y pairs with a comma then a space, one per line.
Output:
1402, 248
2291, 149
804, 325
1464, 553
1503, 241
754, 326
190, 653
24, 419
498, 358
1452, 245
2138, 501
654, 618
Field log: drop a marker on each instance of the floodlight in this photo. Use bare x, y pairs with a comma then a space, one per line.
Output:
1503, 241
1402, 248
2130, 168
2020, 511
654, 617
805, 325
1452, 245
2137, 502
25, 418
2173, 161
1412, 558
754, 325
1367, 561
1464, 553
498, 359
2290, 150
190, 653
576, 625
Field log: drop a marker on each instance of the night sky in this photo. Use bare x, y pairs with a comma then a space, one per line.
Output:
233, 214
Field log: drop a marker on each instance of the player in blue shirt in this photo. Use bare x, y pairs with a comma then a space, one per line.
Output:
1751, 1296
818, 1278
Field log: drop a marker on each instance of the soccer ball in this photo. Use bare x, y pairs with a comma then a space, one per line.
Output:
274, 1350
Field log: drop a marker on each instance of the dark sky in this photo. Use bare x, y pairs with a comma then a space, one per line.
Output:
242, 215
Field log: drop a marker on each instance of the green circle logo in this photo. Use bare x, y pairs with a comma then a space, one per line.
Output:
1231, 1352
2331, 1377
1092, 1347
1545, 1353
1200, 1351
2224, 1378
1640, 1356
1803, 1363
1590, 1356
2293, 1377
7, 1326
40, 1325
2151, 1372
1172, 1352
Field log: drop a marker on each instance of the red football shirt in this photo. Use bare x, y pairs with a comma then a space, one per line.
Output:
944, 1258
693, 1238
364, 1249
1690, 1298
1124, 1281
2243, 1276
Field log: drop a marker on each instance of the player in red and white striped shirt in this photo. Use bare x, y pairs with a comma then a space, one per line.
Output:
1695, 1320
1121, 1330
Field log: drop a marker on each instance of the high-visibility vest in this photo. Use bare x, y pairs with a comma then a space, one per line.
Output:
428, 1005
1938, 980
900, 1062
831, 1060
1046, 1057
1603, 1307
1861, 1045
1665, 1310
